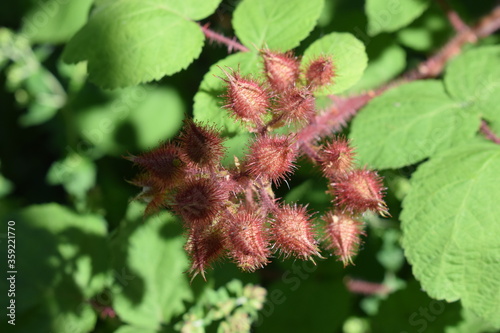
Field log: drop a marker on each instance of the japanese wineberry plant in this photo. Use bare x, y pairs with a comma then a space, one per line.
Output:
250, 166
232, 211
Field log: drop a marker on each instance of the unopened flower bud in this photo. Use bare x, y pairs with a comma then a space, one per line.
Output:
337, 158
320, 72
204, 246
343, 235
201, 144
282, 69
296, 105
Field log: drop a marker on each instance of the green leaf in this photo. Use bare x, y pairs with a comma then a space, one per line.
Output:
135, 118
55, 21
61, 262
278, 25
133, 329
474, 79
450, 227
386, 60
132, 41
76, 173
409, 123
208, 101
388, 16
411, 310
471, 323
151, 257
428, 32
349, 58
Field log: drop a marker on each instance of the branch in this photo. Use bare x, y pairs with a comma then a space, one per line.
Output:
453, 17
345, 108
488, 133
231, 43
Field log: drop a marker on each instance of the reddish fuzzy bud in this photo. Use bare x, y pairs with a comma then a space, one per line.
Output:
320, 72
199, 200
201, 144
293, 232
163, 164
248, 240
246, 98
343, 234
296, 105
204, 246
359, 191
282, 69
337, 158
272, 157
151, 193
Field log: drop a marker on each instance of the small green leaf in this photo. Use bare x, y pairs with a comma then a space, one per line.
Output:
76, 173
278, 25
409, 123
208, 101
55, 21
153, 285
132, 41
474, 79
349, 58
387, 16
450, 227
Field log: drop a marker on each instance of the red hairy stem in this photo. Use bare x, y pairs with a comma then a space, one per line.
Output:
489, 134
453, 16
231, 43
365, 287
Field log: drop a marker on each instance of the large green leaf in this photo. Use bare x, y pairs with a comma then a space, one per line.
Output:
349, 58
135, 118
387, 16
61, 262
474, 79
208, 101
130, 41
278, 25
409, 123
450, 227
55, 21
151, 257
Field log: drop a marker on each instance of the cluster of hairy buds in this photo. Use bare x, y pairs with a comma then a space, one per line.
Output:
231, 211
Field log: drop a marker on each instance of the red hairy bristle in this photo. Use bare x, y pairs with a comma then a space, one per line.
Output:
337, 158
282, 69
163, 164
204, 246
293, 232
201, 145
320, 72
272, 157
246, 98
296, 106
343, 235
200, 200
360, 190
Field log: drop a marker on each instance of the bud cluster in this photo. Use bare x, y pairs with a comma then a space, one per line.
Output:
231, 211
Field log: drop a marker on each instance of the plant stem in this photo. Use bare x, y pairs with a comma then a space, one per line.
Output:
231, 43
488, 133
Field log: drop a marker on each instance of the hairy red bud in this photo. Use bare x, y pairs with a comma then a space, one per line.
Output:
343, 235
248, 240
272, 157
204, 246
293, 232
201, 144
199, 201
296, 105
359, 191
163, 164
246, 98
320, 72
282, 69
337, 158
